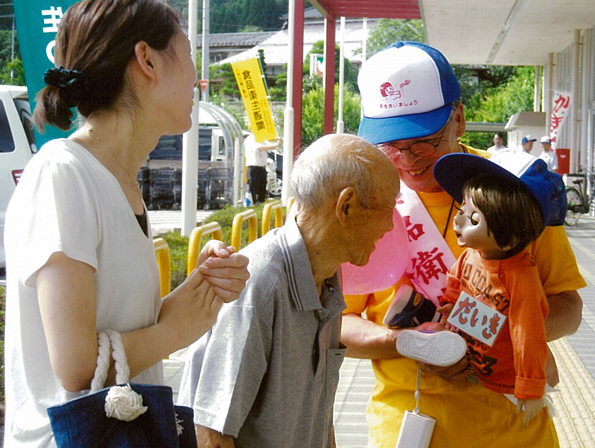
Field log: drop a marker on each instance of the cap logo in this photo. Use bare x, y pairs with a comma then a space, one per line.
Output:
391, 96
388, 92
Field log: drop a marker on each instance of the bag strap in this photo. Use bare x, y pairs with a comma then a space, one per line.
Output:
105, 340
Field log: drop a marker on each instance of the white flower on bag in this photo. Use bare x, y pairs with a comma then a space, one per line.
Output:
124, 404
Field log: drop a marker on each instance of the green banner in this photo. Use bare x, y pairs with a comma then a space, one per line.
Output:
37, 23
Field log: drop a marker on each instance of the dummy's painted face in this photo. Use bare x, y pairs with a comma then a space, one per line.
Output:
472, 231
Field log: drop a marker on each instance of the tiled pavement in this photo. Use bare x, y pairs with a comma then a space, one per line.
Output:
575, 355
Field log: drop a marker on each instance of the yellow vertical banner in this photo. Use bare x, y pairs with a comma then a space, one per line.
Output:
250, 81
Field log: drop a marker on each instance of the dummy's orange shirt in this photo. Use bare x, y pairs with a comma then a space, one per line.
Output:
515, 363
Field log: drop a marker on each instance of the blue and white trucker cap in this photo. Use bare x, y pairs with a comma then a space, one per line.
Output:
407, 92
453, 170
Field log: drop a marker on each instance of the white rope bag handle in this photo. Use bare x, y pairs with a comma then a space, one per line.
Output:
110, 339
121, 402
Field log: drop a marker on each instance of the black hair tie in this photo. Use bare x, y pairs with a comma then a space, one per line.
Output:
74, 84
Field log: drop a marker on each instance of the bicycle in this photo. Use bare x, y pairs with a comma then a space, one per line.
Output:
578, 199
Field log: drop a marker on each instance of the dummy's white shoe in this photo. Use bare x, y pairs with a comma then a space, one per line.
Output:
441, 348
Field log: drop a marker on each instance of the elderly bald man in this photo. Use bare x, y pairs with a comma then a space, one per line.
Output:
266, 375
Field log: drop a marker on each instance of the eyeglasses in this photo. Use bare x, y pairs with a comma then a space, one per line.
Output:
421, 148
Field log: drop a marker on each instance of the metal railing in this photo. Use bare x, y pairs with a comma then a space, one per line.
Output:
213, 229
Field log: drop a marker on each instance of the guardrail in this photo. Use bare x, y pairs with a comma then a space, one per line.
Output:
163, 262
274, 206
213, 229
236, 227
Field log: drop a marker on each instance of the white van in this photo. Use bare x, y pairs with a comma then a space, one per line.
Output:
17, 146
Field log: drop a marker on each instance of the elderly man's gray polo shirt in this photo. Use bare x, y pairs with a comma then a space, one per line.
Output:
267, 372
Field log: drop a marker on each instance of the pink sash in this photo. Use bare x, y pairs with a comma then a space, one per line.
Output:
431, 258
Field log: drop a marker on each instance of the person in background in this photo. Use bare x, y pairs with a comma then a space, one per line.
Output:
417, 123
527, 144
80, 255
498, 143
548, 155
256, 163
265, 376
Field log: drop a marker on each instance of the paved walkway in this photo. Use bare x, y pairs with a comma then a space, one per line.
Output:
575, 355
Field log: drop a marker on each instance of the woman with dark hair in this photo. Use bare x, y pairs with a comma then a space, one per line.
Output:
80, 254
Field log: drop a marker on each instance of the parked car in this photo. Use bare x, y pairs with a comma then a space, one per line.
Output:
17, 146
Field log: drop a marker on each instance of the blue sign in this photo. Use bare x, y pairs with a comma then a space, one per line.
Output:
37, 24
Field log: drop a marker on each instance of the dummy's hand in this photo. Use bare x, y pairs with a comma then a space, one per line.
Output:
532, 408
445, 310
551, 369
209, 438
223, 269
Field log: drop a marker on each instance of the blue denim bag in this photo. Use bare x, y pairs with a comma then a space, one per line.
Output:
155, 422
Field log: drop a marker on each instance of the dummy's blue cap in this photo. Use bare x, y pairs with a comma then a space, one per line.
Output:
407, 92
453, 170
528, 138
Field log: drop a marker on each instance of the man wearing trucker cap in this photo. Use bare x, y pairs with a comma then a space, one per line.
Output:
412, 111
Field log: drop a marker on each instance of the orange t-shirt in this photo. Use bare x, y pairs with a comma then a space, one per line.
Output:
515, 363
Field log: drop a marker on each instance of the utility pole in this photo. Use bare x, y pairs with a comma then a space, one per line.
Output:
205, 50
12, 51
190, 140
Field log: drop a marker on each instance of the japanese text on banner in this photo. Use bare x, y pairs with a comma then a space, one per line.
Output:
560, 110
250, 81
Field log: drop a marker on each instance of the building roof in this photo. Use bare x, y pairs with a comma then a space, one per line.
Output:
390, 9
235, 39
276, 51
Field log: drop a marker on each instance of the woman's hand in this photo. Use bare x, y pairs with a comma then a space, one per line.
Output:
191, 309
225, 270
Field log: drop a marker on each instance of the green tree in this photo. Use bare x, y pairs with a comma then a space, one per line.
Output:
227, 16
14, 67
231, 16
265, 14
9, 65
502, 101
278, 88
313, 113
6, 47
251, 29
497, 104
223, 82
6, 14
388, 31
